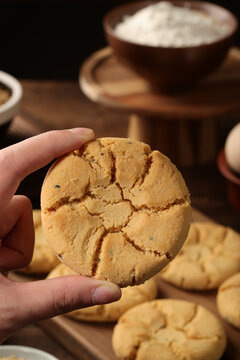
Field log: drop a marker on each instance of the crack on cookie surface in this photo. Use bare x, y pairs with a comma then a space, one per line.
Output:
97, 253
148, 164
63, 201
113, 169
67, 201
145, 251
90, 159
158, 209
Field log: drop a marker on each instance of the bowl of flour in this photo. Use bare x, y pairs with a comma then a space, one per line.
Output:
172, 44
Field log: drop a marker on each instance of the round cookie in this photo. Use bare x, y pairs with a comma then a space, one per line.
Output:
115, 210
168, 330
210, 255
131, 296
228, 300
44, 259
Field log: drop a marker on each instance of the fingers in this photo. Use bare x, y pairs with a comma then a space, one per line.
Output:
47, 298
19, 160
17, 234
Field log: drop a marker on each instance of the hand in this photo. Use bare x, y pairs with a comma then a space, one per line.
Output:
24, 303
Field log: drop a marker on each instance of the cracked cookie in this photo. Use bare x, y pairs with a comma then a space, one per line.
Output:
44, 259
131, 296
210, 255
170, 330
228, 300
115, 210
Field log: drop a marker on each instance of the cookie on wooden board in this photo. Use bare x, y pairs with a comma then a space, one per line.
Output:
131, 296
115, 210
228, 300
209, 256
44, 259
169, 330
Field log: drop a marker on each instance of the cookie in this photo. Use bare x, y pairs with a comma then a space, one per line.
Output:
44, 259
115, 210
11, 358
169, 330
210, 255
131, 296
228, 300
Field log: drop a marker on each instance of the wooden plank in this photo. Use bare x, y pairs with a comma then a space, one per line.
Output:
92, 341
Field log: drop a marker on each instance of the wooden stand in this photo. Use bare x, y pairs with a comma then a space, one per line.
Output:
182, 125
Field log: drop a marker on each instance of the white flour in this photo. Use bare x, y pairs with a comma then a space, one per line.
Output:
163, 24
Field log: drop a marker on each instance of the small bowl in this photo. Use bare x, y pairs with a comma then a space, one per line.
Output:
25, 352
232, 179
11, 106
170, 68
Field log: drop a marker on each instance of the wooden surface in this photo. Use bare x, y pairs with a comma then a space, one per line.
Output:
60, 104
92, 341
105, 81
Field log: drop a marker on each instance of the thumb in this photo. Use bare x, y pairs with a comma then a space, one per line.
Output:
47, 298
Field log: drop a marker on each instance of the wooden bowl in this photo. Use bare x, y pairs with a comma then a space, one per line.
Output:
170, 68
232, 179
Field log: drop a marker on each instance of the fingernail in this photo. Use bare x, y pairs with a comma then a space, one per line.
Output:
82, 131
105, 294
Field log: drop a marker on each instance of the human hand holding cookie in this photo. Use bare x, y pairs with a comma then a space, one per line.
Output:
24, 303
115, 210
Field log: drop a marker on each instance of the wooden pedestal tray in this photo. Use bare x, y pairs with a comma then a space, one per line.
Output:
182, 125
92, 341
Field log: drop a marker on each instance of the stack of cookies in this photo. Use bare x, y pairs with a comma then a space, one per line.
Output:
117, 211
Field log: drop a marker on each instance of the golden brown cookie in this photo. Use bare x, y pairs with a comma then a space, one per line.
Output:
210, 255
131, 296
44, 259
228, 300
11, 358
115, 210
169, 330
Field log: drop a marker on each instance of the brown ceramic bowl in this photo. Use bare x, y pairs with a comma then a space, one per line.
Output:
232, 179
169, 68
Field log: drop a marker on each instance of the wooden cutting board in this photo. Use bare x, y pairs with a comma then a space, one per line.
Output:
92, 341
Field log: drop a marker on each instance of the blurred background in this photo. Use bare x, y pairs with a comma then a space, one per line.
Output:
43, 45
50, 39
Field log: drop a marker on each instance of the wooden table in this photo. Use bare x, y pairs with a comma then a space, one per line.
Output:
51, 104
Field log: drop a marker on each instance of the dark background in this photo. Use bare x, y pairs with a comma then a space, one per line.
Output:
50, 39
